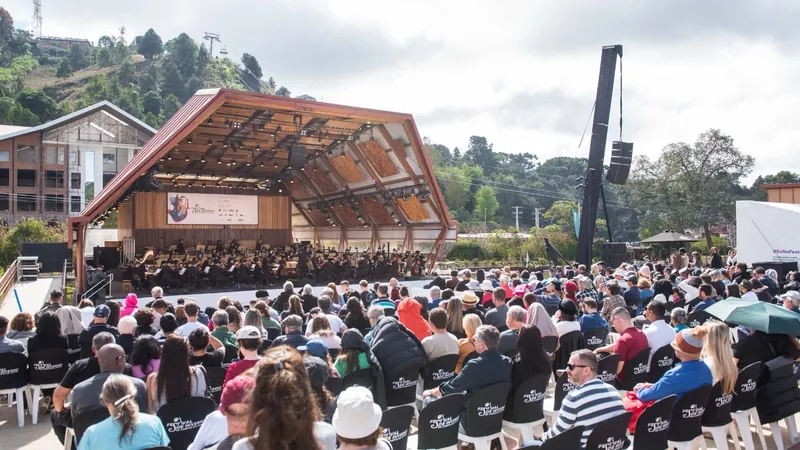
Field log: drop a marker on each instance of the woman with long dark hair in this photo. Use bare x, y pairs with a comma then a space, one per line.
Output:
48, 334
284, 414
174, 379
321, 329
146, 356
355, 316
113, 318
129, 428
295, 308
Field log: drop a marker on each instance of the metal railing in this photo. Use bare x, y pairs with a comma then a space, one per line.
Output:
67, 275
96, 288
8, 280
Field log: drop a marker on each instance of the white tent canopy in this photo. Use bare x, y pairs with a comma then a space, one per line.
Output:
767, 232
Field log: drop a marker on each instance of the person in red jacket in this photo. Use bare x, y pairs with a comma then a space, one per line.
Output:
409, 313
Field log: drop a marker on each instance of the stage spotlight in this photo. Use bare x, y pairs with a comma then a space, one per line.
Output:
210, 121
424, 194
203, 160
330, 152
187, 158
169, 158
189, 140
241, 145
407, 195
219, 161
262, 164
233, 163
278, 130
210, 142
258, 147
248, 163
228, 123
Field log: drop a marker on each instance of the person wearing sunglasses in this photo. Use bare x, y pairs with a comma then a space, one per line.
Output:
589, 403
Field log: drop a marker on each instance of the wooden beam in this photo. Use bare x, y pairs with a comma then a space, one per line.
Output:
426, 166
371, 171
399, 149
436, 249
307, 181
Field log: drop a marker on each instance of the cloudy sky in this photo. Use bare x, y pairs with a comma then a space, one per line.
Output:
522, 73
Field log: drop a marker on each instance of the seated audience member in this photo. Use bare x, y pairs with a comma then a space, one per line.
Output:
455, 316
175, 377
706, 298
336, 323
591, 319
228, 424
631, 340
497, 316
374, 314
168, 325
354, 355
566, 317
192, 310
199, 341
678, 319
87, 310
440, 342
718, 355
490, 367
144, 322
384, 301
267, 321
82, 370
293, 333
160, 307
356, 318
435, 297
321, 329
612, 299
48, 334
98, 325
470, 302
126, 329
282, 400
145, 357
757, 346
466, 346
537, 315
249, 339
588, 404
131, 305
234, 318
409, 313
791, 300
318, 374
687, 376
530, 359
357, 421
126, 428
221, 331
20, 329
8, 345
659, 333
515, 319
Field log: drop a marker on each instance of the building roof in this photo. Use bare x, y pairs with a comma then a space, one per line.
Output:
8, 129
104, 105
766, 186
361, 167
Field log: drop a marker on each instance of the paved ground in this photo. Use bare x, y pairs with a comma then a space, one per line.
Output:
31, 296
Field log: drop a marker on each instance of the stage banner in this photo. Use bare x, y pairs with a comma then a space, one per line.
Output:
211, 209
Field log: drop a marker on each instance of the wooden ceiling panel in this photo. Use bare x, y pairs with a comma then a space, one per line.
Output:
378, 158
376, 211
347, 215
347, 168
322, 180
413, 209
300, 190
317, 219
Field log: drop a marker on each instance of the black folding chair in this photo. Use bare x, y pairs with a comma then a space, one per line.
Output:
396, 423
568, 440
662, 361
46, 368
568, 343
697, 318
634, 371
607, 368
550, 343
231, 354
687, 414
652, 425
439, 370
610, 433
335, 386
216, 376
273, 333
743, 406
81, 423
717, 419
363, 377
484, 416
401, 388
469, 358
552, 405
524, 408
182, 419
595, 337
14, 380
438, 422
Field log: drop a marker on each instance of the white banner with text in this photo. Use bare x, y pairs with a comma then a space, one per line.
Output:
211, 209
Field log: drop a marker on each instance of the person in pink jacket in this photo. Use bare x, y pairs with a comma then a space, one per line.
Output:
131, 305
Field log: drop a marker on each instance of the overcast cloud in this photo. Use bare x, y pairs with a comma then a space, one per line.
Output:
522, 73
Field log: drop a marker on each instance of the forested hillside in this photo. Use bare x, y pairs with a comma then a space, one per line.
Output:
147, 76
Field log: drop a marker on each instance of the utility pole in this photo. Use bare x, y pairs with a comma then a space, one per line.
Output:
211, 37
536, 216
517, 213
485, 223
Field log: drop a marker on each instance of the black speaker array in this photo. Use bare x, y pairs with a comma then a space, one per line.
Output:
614, 253
620, 167
297, 156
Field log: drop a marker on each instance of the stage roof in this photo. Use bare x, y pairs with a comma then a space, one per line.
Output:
363, 168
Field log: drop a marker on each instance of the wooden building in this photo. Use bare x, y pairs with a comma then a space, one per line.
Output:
50, 171
782, 192
310, 171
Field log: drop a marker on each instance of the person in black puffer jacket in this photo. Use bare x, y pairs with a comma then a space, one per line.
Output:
397, 348
353, 339
778, 397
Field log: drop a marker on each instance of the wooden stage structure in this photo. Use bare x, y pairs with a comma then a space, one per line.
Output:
340, 175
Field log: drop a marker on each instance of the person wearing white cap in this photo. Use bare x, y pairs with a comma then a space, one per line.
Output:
791, 301
357, 421
249, 339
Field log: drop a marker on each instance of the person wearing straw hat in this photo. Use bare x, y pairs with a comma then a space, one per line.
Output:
357, 421
470, 302
687, 376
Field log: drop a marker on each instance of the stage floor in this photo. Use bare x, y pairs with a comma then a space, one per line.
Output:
204, 299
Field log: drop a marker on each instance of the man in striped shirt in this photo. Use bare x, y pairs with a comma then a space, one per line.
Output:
590, 402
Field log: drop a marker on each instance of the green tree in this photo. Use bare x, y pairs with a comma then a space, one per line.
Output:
692, 185
104, 57
283, 91
152, 103
479, 152
171, 106
203, 61
560, 214
6, 27
183, 51
105, 42
151, 45
12, 113
126, 73
485, 202
79, 57
39, 103
173, 83
27, 230
64, 69
271, 83
194, 85
251, 63
149, 81
784, 176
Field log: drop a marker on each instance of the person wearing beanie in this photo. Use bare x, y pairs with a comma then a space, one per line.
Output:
687, 376
357, 421
226, 425
571, 291
409, 311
